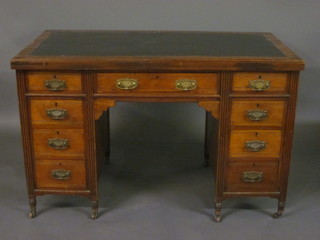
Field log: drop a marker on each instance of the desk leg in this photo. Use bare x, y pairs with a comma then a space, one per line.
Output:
33, 207
206, 141
94, 209
280, 211
107, 138
218, 211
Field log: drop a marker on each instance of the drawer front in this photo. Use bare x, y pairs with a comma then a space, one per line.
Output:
252, 178
259, 82
60, 174
255, 144
178, 83
256, 112
57, 112
56, 144
52, 82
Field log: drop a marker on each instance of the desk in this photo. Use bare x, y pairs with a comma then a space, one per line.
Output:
246, 82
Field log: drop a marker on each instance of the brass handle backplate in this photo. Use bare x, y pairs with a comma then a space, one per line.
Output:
58, 143
60, 174
257, 114
259, 84
252, 176
55, 84
127, 83
186, 84
57, 113
255, 146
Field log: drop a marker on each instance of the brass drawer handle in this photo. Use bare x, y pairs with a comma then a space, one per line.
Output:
127, 83
252, 176
55, 84
259, 84
60, 174
257, 114
186, 84
255, 146
57, 113
58, 143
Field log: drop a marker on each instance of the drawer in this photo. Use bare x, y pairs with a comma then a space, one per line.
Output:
259, 82
56, 144
255, 143
57, 112
54, 82
252, 178
144, 83
60, 174
256, 112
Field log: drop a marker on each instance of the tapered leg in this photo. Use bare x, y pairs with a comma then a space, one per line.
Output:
107, 138
33, 207
218, 211
280, 211
107, 157
206, 142
94, 210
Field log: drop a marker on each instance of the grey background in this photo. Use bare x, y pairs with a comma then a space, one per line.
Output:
155, 187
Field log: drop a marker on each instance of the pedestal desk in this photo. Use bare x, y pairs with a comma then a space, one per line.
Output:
246, 82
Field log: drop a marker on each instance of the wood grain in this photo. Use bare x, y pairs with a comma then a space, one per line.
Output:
43, 151
36, 82
44, 180
238, 139
275, 111
268, 184
40, 118
278, 81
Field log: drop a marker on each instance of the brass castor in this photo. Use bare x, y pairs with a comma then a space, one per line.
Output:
217, 218
32, 214
94, 210
94, 215
276, 214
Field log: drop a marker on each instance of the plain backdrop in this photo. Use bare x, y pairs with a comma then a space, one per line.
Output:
161, 132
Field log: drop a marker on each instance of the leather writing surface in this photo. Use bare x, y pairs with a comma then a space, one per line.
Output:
135, 43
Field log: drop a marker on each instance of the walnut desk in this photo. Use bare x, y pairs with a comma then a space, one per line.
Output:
246, 82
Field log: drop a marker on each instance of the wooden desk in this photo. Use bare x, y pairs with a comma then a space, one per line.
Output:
246, 82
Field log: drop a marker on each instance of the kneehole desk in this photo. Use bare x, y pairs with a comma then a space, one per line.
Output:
246, 82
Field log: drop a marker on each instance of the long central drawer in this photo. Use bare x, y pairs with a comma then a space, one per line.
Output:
146, 83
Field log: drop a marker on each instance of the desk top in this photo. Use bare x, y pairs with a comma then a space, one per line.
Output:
156, 50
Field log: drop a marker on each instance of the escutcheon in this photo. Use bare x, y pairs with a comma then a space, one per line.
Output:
259, 84
127, 83
60, 174
57, 113
186, 84
252, 176
255, 146
55, 84
58, 143
257, 114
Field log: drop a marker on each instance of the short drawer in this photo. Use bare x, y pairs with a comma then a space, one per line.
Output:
57, 112
256, 112
145, 83
254, 177
54, 82
255, 143
56, 144
259, 82
60, 174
